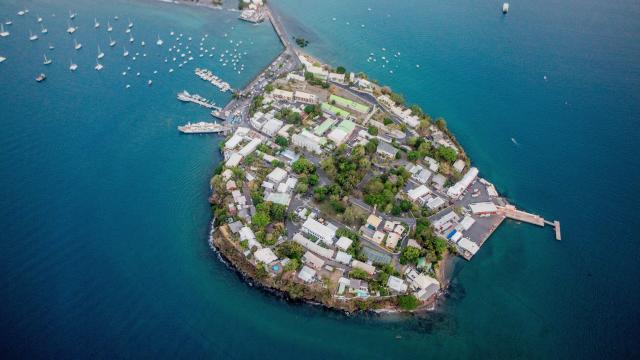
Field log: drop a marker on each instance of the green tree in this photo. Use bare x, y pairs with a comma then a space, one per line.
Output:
446, 153
278, 212
303, 166
260, 220
341, 70
268, 88
408, 302
282, 141
409, 255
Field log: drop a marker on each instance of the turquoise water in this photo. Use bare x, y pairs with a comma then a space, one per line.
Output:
104, 221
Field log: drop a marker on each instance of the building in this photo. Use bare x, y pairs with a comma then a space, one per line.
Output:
337, 78
435, 203
343, 243
349, 104
309, 141
466, 223
369, 269
233, 142
422, 176
343, 258
438, 181
392, 240
295, 77
387, 150
364, 85
234, 160
272, 126
373, 222
284, 131
318, 230
324, 126
468, 245
342, 132
378, 237
317, 71
334, 110
446, 221
397, 285
311, 246
417, 193
306, 274
459, 165
282, 95
385, 100
265, 256
250, 147
312, 260
277, 175
420, 281
458, 188
279, 198
305, 98
483, 208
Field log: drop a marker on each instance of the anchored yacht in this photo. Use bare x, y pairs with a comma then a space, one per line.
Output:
159, 42
100, 53
43, 30
32, 36
98, 66
96, 24
47, 61
112, 42
76, 45
3, 32
72, 66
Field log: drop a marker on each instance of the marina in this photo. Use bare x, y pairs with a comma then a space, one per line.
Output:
209, 76
196, 99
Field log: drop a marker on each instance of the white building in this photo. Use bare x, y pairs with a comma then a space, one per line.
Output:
386, 150
458, 188
343, 258
282, 95
309, 141
396, 284
272, 126
307, 274
468, 245
311, 246
234, 160
483, 208
369, 269
233, 142
295, 77
337, 78
312, 260
422, 176
420, 281
435, 202
343, 243
318, 230
466, 223
277, 175
459, 165
418, 192
265, 256
250, 147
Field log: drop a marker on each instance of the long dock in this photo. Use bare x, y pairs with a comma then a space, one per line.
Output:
511, 212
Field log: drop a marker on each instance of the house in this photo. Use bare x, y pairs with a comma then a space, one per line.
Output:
295, 77
343, 258
364, 84
378, 237
385, 100
342, 132
435, 203
423, 176
318, 230
246, 234
265, 256
282, 95
233, 141
324, 126
279, 198
317, 71
268, 185
373, 222
227, 174
305, 98
234, 160
425, 294
277, 175
438, 181
433, 164
420, 281
250, 147
312, 260
343, 243
235, 227
369, 269
291, 183
306, 274
387, 150
446, 221
389, 225
468, 245
336, 77
459, 165
272, 126
466, 223
231, 185
396, 284
311, 246
399, 229
392, 240
416, 193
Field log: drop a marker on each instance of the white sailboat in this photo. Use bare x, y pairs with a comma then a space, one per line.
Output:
112, 42
98, 66
96, 24
70, 29
130, 24
3, 32
142, 43
39, 19
126, 52
8, 22
32, 36
72, 66
76, 45
72, 15
109, 27
44, 29
130, 38
51, 47
100, 53
159, 42
2, 59
46, 60
21, 13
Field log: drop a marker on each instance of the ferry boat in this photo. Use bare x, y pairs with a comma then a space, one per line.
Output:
3, 32
100, 53
112, 42
159, 42
98, 66
76, 45
46, 60
201, 128
505, 8
72, 66
70, 29
32, 36
41, 77
44, 29
96, 24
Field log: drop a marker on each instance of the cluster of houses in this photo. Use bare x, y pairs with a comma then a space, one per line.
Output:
401, 112
385, 233
279, 186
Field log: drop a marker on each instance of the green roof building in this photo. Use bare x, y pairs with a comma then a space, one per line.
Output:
349, 104
322, 128
334, 110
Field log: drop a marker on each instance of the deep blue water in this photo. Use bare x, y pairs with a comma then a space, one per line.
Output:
103, 204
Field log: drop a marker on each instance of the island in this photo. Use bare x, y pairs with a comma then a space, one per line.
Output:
334, 191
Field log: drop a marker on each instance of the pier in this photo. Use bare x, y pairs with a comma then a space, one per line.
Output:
511, 212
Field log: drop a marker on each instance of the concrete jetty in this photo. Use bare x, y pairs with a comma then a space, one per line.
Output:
511, 212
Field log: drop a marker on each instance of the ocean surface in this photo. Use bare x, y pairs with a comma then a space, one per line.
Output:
103, 211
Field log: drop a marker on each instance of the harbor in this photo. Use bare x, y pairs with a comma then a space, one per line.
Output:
184, 96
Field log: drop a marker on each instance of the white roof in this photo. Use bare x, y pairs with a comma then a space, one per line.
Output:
343, 257
456, 236
312, 259
277, 174
250, 147
271, 126
483, 207
337, 136
247, 234
435, 203
466, 223
468, 245
233, 160
282, 93
233, 142
291, 182
418, 192
309, 245
344, 243
421, 281
392, 240
265, 255
370, 269
459, 165
325, 233
279, 198
306, 274
396, 284
458, 188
